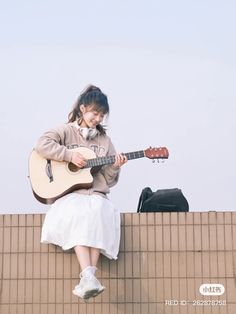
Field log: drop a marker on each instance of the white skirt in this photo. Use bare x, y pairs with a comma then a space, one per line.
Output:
78, 219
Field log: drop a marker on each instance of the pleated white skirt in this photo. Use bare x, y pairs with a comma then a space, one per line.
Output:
89, 220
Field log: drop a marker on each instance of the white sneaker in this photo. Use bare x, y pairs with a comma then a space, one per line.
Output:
88, 287
100, 287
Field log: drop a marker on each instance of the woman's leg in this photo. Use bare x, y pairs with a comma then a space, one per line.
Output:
94, 256
89, 286
87, 256
83, 256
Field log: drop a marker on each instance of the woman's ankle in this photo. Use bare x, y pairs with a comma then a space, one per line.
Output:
93, 269
87, 271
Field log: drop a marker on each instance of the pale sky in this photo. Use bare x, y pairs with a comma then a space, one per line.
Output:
168, 68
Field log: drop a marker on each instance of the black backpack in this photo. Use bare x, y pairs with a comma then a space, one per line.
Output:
167, 200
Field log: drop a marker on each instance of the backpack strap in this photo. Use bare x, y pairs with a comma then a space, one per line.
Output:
143, 196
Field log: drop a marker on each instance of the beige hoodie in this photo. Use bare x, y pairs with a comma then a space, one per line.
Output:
57, 144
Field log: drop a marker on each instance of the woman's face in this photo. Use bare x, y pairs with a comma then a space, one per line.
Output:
91, 116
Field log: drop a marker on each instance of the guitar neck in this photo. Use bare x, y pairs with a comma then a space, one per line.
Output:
101, 161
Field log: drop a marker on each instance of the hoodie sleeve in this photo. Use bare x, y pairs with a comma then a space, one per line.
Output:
51, 145
110, 172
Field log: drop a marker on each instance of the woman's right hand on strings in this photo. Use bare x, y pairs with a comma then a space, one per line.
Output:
78, 160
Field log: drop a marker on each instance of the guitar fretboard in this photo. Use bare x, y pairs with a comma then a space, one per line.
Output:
100, 161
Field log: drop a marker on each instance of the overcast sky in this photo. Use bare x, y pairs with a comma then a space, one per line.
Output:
168, 68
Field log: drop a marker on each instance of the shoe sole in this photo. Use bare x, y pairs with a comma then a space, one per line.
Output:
90, 293
98, 292
87, 295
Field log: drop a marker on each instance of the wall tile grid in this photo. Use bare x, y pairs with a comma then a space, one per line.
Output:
163, 260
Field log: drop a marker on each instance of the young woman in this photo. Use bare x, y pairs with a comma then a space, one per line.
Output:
85, 219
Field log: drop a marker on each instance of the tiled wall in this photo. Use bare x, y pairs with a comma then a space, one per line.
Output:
163, 260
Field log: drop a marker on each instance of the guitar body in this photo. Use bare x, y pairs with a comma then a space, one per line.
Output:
52, 179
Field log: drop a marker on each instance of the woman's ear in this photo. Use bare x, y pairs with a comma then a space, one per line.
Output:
82, 108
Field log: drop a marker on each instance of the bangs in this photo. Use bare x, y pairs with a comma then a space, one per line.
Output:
99, 108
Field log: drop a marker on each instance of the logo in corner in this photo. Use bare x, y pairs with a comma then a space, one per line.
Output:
211, 289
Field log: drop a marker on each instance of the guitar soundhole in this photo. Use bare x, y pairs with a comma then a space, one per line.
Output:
72, 167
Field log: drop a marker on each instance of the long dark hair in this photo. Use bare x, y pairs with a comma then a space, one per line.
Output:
92, 95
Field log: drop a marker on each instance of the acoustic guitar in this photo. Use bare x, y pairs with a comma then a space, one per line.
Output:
52, 179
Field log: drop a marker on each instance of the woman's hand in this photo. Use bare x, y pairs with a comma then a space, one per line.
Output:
78, 160
120, 160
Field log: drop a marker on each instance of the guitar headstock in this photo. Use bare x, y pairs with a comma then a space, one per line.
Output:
156, 153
